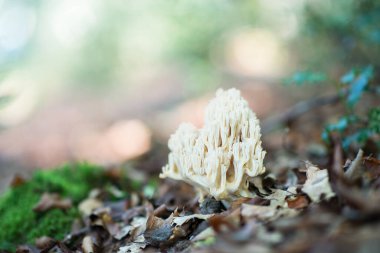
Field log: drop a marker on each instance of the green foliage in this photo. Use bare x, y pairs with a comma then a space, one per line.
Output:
357, 81
20, 224
150, 188
306, 77
340, 126
344, 35
374, 120
352, 128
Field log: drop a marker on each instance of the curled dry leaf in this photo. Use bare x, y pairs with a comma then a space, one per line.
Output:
139, 226
158, 231
317, 183
355, 169
88, 205
52, 200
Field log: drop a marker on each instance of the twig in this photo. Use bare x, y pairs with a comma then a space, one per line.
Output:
272, 123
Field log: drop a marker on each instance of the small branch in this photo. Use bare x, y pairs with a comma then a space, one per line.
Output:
272, 123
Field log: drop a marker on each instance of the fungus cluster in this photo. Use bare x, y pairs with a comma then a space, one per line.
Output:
220, 158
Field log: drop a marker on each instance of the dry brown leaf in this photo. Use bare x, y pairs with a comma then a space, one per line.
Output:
17, 180
123, 232
317, 183
158, 231
277, 198
297, 202
88, 205
267, 213
355, 169
45, 243
52, 200
132, 248
373, 167
207, 233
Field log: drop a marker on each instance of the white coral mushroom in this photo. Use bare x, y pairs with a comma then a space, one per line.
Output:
219, 158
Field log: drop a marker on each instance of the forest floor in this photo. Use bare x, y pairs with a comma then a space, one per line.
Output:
299, 207
313, 197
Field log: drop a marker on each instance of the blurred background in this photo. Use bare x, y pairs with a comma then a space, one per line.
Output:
109, 81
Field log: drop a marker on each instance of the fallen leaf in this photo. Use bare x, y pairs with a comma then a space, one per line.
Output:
182, 220
317, 184
210, 205
138, 227
26, 249
45, 243
123, 232
262, 212
88, 245
52, 200
277, 198
88, 205
132, 248
17, 181
266, 213
373, 167
355, 169
205, 234
297, 202
159, 235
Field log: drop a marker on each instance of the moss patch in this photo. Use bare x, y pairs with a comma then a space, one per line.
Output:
20, 224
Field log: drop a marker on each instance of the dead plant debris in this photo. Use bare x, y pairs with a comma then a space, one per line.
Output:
304, 209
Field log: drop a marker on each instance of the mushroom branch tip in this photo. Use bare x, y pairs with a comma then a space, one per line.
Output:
220, 158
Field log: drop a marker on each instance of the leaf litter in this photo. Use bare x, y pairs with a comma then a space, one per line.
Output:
303, 209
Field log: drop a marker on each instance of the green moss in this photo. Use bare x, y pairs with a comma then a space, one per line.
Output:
20, 224
72, 181
56, 222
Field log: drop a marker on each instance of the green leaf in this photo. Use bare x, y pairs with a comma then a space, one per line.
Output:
360, 137
374, 120
342, 123
358, 85
348, 77
151, 188
340, 126
306, 77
